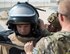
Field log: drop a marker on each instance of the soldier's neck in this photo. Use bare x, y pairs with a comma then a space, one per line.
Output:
66, 28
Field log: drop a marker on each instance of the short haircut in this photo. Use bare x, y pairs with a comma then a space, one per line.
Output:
64, 7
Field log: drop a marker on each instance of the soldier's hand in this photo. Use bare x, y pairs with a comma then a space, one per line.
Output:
28, 47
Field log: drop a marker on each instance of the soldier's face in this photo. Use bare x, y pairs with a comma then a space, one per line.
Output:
23, 29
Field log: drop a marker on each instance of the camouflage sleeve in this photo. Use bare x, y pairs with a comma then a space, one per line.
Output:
46, 46
40, 46
52, 46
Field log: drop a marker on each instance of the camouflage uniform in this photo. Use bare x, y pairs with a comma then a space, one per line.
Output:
52, 45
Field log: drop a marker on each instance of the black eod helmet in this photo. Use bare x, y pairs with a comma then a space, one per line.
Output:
22, 12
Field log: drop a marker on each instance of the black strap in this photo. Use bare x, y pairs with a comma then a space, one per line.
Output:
14, 50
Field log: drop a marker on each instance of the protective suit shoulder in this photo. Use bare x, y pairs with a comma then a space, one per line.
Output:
4, 35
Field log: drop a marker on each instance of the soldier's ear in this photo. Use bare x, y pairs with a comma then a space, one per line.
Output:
61, 17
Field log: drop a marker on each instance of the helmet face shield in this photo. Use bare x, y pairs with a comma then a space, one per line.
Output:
23, 12
21, 20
